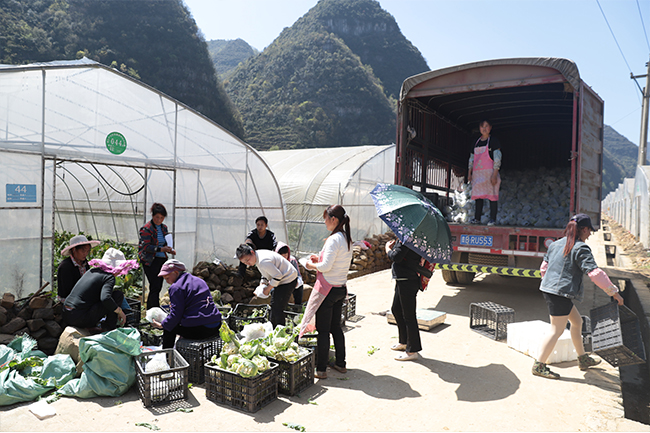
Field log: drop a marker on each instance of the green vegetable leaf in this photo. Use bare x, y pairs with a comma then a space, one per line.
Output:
310, 401
147, 425
183, 409
372, 350
294, 426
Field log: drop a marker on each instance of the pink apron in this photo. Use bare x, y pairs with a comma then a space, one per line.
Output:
319, 293
481, 172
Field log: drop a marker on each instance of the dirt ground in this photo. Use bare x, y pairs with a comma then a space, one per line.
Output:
464, 381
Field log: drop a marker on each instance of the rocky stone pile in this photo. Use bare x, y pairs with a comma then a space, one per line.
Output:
39, 317
228, 287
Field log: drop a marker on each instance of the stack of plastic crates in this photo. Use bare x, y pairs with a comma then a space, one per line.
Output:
490, 319
197, 353
249, 394
296, 376
616, 335
350, 306
164, 386
242, 313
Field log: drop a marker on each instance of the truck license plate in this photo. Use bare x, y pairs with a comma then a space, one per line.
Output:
476, 240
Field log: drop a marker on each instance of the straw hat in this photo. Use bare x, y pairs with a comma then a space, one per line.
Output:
77, 241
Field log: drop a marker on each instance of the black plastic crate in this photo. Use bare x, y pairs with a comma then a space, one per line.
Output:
350, 305
295, 308
249, 394
164, 386
134, 314
240, 316
490, 319
296, 376
149, 335
616, 335
197, 353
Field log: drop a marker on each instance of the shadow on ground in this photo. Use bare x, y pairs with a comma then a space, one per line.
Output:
487, 383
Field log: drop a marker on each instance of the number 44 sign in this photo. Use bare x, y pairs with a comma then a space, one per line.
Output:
21, 193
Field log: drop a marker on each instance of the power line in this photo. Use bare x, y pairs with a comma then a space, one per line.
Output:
615, 40
614, 36
643, 24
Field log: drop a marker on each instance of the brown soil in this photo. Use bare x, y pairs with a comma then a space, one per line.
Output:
639, 255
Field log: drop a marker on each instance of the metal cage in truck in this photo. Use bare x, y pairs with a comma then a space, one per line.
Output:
543, 114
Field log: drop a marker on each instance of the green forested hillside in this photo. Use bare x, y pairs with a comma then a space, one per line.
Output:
620, 158
373, 35
310, 89
226, 55
155, 41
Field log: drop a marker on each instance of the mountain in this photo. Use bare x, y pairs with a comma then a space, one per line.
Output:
155, 41
373, 35
620, 158
309, 88
226, 55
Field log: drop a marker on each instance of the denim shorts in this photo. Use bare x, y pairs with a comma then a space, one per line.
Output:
558, 305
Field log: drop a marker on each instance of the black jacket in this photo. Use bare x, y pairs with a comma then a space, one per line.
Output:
405, 262
67, 276
94, 287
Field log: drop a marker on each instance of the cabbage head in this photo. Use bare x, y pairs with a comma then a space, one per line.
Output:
261, 362
271, 351
230, 348
247, 368
233, 359
249, 349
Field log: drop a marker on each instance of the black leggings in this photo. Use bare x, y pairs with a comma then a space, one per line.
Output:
478, 210
405, 312
155, 282
279, 301
328, 321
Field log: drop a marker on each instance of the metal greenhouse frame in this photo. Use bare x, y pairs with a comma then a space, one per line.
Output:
86, 148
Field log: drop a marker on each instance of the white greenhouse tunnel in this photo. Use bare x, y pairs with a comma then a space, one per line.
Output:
86, 148
313, 179
629, 205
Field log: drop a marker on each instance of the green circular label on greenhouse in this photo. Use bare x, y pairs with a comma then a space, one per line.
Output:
115, 143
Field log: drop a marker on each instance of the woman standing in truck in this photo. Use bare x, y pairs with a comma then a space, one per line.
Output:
564, 264
483, 172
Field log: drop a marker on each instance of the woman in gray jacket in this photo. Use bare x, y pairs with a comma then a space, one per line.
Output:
564, 264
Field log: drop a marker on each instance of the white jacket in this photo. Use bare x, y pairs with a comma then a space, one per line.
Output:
336, 259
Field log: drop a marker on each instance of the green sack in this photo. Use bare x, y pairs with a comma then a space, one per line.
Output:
18, 384
109, 367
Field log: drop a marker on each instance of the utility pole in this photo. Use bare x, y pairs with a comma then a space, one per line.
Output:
643, 142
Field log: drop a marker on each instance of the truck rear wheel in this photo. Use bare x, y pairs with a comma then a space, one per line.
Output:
449, 276
465, 277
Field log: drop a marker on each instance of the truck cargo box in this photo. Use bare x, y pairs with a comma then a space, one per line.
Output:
550, 125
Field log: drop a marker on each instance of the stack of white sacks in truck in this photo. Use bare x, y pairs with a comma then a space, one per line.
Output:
527, 198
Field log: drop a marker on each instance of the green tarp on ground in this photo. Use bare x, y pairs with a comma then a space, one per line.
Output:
27, 374
109, 367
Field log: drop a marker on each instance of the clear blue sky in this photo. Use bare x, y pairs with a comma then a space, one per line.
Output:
451, 32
